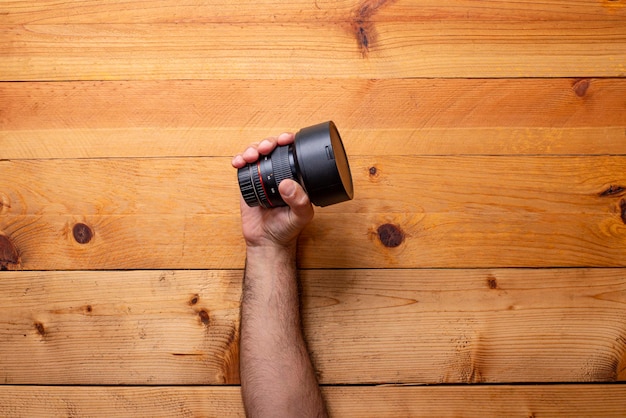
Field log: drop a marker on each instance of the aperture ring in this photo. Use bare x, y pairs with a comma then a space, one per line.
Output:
255, 173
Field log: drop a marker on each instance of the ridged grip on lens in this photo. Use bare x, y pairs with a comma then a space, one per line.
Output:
244, 175
281, 165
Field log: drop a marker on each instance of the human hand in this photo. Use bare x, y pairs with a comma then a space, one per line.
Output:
278, 226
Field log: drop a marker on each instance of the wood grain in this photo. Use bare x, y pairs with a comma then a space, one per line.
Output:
312, 51
466, 185
440, 212
218, 11
437, 402
375, 117
121, 327
413, 240
363, 326
486, 139
469, 326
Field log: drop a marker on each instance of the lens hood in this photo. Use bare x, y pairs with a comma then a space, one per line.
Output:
323, 165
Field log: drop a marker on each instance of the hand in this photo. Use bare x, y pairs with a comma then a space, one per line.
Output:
279, 226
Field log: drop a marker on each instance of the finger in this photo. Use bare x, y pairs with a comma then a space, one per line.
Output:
296, 198
238, 161
251, 154
285, 138
267, 145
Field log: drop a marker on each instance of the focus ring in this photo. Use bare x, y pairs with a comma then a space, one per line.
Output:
280, 162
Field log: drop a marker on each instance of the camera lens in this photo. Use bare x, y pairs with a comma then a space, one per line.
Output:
316, 160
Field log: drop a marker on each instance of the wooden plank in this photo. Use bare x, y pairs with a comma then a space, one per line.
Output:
362, 326
382, 117
312, 50
451, 326
374, 240
124, 242
408, 212
130, 142
215, 11
121, 327
386, 185
434, 401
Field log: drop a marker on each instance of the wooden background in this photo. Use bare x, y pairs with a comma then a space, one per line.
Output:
479, 271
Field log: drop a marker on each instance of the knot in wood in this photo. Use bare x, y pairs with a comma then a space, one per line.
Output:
580, 87
8, 253
204, 317
82, 233
390, 235
5, 203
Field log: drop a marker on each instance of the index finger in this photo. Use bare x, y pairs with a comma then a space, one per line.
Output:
285, 138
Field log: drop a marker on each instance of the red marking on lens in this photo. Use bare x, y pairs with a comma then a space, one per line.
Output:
258, 168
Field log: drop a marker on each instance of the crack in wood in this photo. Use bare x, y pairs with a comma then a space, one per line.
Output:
612, 191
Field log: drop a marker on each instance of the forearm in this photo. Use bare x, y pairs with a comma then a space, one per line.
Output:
277, 377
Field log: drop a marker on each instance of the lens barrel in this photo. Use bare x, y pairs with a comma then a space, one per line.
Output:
316, 160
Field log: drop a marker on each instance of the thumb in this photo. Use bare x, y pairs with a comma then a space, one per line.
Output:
296, 198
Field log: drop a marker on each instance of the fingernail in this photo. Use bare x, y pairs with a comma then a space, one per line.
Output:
289, 189
249, 153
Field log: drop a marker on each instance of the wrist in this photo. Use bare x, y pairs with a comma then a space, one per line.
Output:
271, 242
271, 251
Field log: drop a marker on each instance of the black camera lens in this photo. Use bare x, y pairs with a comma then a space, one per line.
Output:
316, 160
